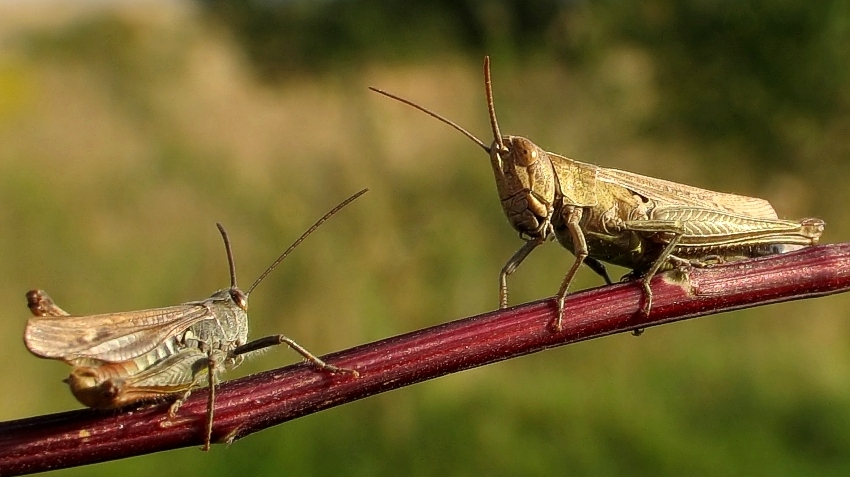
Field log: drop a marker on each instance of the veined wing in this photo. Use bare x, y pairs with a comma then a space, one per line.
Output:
681, 194
109, 337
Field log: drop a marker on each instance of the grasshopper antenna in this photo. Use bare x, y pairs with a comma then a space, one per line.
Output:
488, 89
302, 237
436, 116
229, 254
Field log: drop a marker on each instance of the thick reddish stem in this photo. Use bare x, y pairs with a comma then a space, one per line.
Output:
247, 405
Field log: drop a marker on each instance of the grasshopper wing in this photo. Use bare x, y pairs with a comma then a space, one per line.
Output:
110, 337
669, 193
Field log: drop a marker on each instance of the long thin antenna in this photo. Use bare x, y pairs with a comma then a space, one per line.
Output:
304, 236
229, 255
437, 116
488, 90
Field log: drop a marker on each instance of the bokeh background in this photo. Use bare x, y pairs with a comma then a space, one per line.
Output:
128, 128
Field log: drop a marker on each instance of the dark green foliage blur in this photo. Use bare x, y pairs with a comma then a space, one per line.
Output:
127, 131
741, 71
729, 71
285, 36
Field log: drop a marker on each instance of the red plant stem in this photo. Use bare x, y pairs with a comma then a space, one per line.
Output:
247, 405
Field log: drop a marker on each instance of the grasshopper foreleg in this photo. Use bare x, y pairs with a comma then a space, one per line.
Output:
511, 267
274, 340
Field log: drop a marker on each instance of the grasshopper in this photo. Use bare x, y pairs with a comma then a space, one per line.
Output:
127, 357
608, 215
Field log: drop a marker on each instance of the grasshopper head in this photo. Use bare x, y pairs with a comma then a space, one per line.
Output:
524, 175
233, 294
525, 180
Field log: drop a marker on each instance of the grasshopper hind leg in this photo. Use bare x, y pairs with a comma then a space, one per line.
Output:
673, 227
663, 258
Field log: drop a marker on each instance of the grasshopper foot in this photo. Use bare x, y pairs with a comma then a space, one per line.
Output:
646, 303
329, 368
175, 406
557, 324
646, 300
632, 275
704, 262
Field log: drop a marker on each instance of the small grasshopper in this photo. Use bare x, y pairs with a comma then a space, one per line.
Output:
123, 358
638, 222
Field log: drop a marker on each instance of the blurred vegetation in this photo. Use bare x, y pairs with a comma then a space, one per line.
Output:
127, 131
746, 72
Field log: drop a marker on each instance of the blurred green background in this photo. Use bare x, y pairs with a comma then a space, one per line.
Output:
127, 129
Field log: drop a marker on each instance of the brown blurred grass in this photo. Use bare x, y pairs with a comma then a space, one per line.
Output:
124, 136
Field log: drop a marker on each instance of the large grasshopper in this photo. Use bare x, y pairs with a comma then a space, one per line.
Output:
126, 357
638, 222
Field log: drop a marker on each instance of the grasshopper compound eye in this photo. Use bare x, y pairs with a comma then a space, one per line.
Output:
524, 151
240, 298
